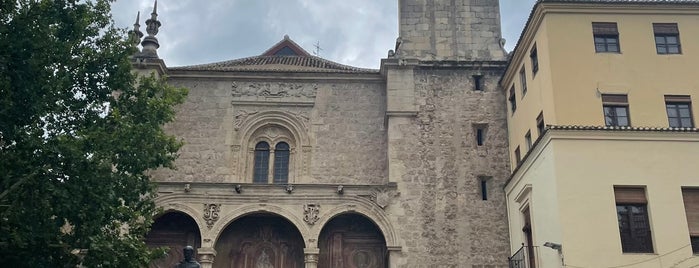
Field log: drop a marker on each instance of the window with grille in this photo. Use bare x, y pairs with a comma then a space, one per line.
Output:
667, 38
606, 37
281, 163
261, 168
679, 111
632, 216
691, 207
616, 109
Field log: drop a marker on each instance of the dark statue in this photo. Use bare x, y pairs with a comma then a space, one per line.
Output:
189, 261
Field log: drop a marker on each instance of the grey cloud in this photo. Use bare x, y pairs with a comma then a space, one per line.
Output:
357, 33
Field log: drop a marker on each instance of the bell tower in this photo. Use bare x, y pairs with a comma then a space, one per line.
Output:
450, 30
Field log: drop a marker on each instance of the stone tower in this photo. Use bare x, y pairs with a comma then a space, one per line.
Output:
447, 135
450, 30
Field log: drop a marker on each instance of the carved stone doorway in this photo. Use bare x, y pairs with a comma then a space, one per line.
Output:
260, 241
352, 241
174, 230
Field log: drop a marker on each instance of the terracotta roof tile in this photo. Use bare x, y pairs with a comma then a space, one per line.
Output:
277, 64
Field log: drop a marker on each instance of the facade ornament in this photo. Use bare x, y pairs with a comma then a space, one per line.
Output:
211, 214
136, 32
289, 189
274, 90
187, 187
240, 118
150, 43
382, 197
311, 213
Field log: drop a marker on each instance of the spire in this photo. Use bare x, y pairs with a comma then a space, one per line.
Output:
150, 43
136, 32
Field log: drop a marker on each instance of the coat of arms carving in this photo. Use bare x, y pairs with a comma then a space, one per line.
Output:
311, 213
211, 214
382, 197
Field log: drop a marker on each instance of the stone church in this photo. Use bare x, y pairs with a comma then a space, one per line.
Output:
292, 160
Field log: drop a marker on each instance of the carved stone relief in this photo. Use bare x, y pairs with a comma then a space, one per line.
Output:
382, 197
242, 115
274, 90
311, 213
211, 214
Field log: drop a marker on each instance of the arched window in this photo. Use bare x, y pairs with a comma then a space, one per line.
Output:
281, 163
261, 168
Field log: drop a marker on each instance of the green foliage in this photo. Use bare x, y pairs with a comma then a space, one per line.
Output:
78, 135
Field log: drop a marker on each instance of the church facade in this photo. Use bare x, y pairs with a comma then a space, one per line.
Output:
291, 160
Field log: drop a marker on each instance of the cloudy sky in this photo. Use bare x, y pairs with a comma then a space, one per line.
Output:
353, 32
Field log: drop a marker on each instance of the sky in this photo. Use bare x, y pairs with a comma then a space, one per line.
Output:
352, 32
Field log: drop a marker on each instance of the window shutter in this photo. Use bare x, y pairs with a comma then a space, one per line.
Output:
665, 28
677, 98
624, 195
604, 28
691, 207
615, 99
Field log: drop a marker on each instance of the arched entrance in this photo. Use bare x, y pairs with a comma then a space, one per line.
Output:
352, 241
174, 230
260, 241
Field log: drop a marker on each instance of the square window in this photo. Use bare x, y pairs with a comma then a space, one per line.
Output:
679, 111
616, 110
667, 38
606, 37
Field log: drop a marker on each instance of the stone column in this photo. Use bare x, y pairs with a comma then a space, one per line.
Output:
206, 257
311, 257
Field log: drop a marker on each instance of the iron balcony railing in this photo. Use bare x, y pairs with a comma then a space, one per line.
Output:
525, 257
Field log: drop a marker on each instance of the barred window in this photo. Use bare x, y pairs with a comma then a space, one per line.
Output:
632, 214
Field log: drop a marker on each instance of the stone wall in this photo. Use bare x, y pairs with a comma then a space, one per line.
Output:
450, 30
440, 215
342, 120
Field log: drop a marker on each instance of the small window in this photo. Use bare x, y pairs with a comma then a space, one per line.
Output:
691, 207
512, 100
534, 56
261, 168
540, 125
528, 139
606, 37
480, 136
518, 155
679, 111
667, 38
523, 81
632, 214
616, 109
483, 181
478, 82
281, 163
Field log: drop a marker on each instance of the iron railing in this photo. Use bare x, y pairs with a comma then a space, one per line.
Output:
525, 257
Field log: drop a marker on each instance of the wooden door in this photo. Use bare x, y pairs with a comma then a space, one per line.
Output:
260, 242
351, 241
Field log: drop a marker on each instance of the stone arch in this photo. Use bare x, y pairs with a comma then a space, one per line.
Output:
255, 234
173, 229
223, 222
289, 127
373, 214
184, 209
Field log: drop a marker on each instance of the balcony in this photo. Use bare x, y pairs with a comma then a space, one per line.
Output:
525, 257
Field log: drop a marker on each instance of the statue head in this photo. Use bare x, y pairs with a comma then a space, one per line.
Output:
188, 253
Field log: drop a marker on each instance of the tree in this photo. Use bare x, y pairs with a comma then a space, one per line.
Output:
78, 134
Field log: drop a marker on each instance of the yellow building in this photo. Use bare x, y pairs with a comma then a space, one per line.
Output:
602, 135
